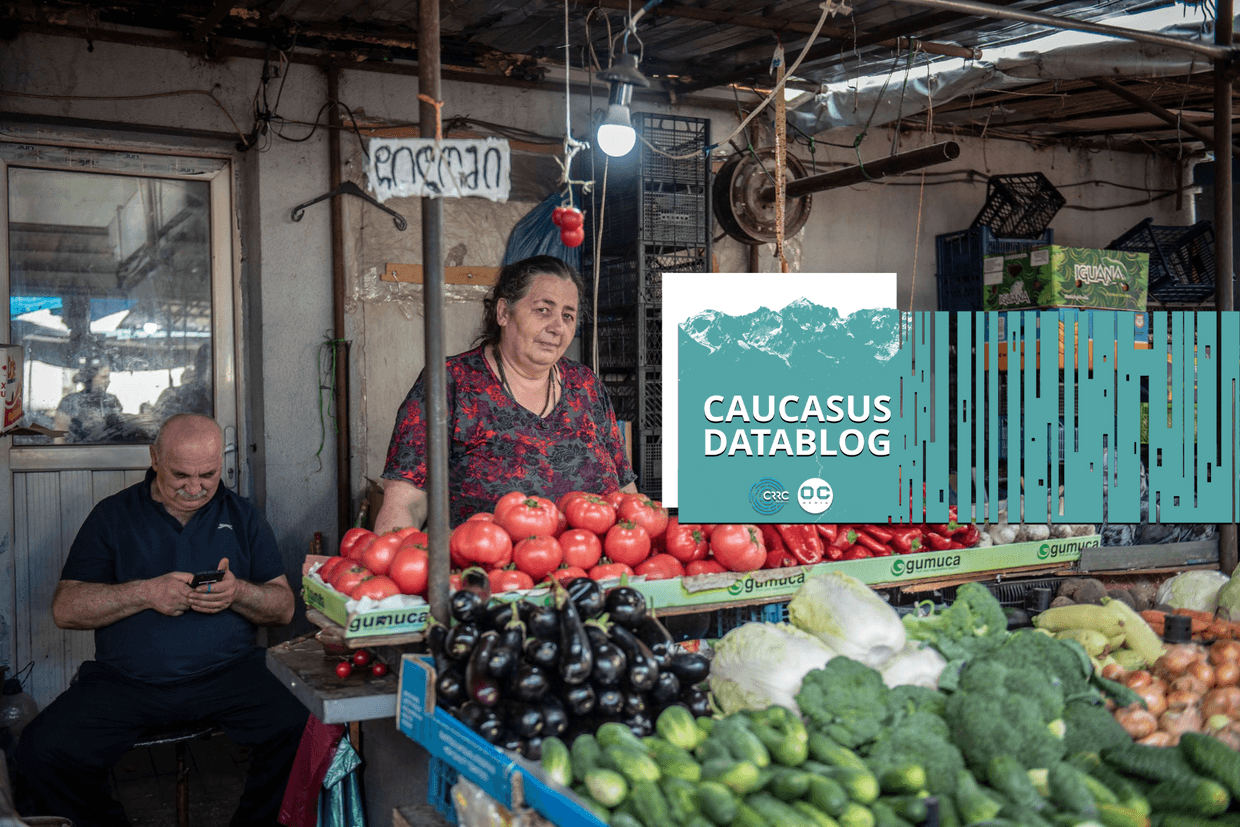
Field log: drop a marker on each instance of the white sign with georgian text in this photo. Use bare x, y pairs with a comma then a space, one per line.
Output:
449, 168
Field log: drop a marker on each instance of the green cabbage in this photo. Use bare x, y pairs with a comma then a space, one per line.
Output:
762, 664
1195, 590
849, 617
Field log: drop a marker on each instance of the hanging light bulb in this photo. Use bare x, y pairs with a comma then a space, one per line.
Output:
615, 134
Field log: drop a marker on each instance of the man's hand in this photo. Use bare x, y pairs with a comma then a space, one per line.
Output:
169, 593
210, 598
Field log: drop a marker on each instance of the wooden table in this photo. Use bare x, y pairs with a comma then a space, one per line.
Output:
310, 674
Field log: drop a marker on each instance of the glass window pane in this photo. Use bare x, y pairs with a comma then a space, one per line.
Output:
110, 295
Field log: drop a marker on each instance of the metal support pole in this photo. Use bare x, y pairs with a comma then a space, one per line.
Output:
344, 477
437, 523
891, 165
1159, 112
971, 7
1224, 229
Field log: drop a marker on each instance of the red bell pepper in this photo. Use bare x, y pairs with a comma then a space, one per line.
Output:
861, 538
906, 540
802, 542
826, 531
780, 559
878, 532
841, 540
856, 553
770, 538
938, 542
969, 536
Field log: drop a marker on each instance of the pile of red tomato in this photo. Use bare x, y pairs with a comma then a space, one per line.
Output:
377, 566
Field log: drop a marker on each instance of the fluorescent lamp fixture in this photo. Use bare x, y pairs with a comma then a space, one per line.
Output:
615, 134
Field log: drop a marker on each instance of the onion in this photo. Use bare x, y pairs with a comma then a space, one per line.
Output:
1189, 683
1173, 663
1113, 671
1224, 699
1138, 723
1202, 671
1181, 698
1160, 684
1224, 651
1177, 721
1227, 673
1215, 722
1137, 679
1155, 701
1161, 738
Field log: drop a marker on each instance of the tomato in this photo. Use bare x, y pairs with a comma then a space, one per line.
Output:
591, 513
581, 548
378, 669
348, 578
685, 541
616, 497
354, 542
571, 219
704, 567
737, 547
627, 542
647, 513
606, 571
361, 657
378, 555
572, 238
537, 555
480, 541
562, 502
568, 574
410, 568
332, 565
507, 580
508, 500
483, 515
661, 567
344, 669
376, 588
530, 517
454, 583
561, 522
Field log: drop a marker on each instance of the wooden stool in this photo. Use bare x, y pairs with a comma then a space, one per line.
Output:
179, 735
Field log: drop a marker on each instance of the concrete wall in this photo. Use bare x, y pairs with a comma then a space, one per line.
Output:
286, 268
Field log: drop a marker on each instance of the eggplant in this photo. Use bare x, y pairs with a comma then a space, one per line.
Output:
634, 704
450, 687
479, 684
462, 640
475, 579
531, 748
472, 713
555, 719
507, 652
642, 671
491, 728
609, 662
587, 596
698, 702
542, 622
625, 606
655, 635
690, 667
576, 659
666, 690
530, 682
609, 701
523, 719
509, 740
497, 617
467, 606
578, 700
641, 725
544, 653
436, 637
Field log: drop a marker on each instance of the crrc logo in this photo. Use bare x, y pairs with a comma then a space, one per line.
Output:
768, 496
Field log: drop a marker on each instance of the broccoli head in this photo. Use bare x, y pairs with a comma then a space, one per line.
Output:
1002, 711
972, 625
1064, 661
907, 699
1090, 728
845, 699
920, 739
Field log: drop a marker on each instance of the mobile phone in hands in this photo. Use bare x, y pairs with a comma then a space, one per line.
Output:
206, 577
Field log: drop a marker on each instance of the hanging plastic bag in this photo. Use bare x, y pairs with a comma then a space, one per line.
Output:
536, 235
340, 804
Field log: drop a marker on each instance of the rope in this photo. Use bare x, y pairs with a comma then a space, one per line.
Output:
781, 143
325, 405
438, 113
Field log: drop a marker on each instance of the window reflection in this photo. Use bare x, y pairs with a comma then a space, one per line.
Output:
110, 297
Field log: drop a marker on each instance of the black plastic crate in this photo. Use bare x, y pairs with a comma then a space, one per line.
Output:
1181, 258
627, 340
1019, 206
650, 398
648, 462
622, 388
960, 256
725, 620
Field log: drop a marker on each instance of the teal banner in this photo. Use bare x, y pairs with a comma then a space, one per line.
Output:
804, 414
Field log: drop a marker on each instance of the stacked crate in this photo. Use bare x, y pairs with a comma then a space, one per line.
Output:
655, 219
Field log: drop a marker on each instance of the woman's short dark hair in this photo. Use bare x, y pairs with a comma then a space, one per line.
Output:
514, 283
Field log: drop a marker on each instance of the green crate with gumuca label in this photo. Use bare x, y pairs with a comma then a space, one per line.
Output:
1054, 276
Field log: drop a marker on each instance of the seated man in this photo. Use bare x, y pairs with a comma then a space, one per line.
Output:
167, 653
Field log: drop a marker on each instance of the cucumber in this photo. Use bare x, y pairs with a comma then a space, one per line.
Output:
884, 816
1130, 796
1007, 775
973, 803
817, 816
672, 759
861, 785
1024, 816
742, 777
1151, 763
1115, 815
698, 820
747, 816
827, 795
676, 725
1183, 820
619, 819
1070, 790
1202, 797
650, 804
614, 733
682, 798
778, 812
948, 817
788, 784
854, 815
905, 779
607, 787
634, 764
912, 808
585, 753
717, 802
829, 751
742, 742
556, 762
711, 748
1213, 759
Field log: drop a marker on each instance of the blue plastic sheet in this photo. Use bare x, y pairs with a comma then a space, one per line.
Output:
340, 803
536, 235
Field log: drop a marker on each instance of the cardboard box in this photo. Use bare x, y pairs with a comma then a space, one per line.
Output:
11, 372
1054, 276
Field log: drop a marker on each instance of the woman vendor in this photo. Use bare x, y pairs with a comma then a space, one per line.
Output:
520, 415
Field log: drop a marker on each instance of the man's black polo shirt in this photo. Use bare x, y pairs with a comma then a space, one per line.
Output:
129, 536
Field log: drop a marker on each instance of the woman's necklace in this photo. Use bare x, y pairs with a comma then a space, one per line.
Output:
503, 378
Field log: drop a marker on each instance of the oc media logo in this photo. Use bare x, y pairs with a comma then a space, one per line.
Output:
815, 495
768, 496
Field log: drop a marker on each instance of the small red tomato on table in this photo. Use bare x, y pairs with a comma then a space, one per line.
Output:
344, 669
